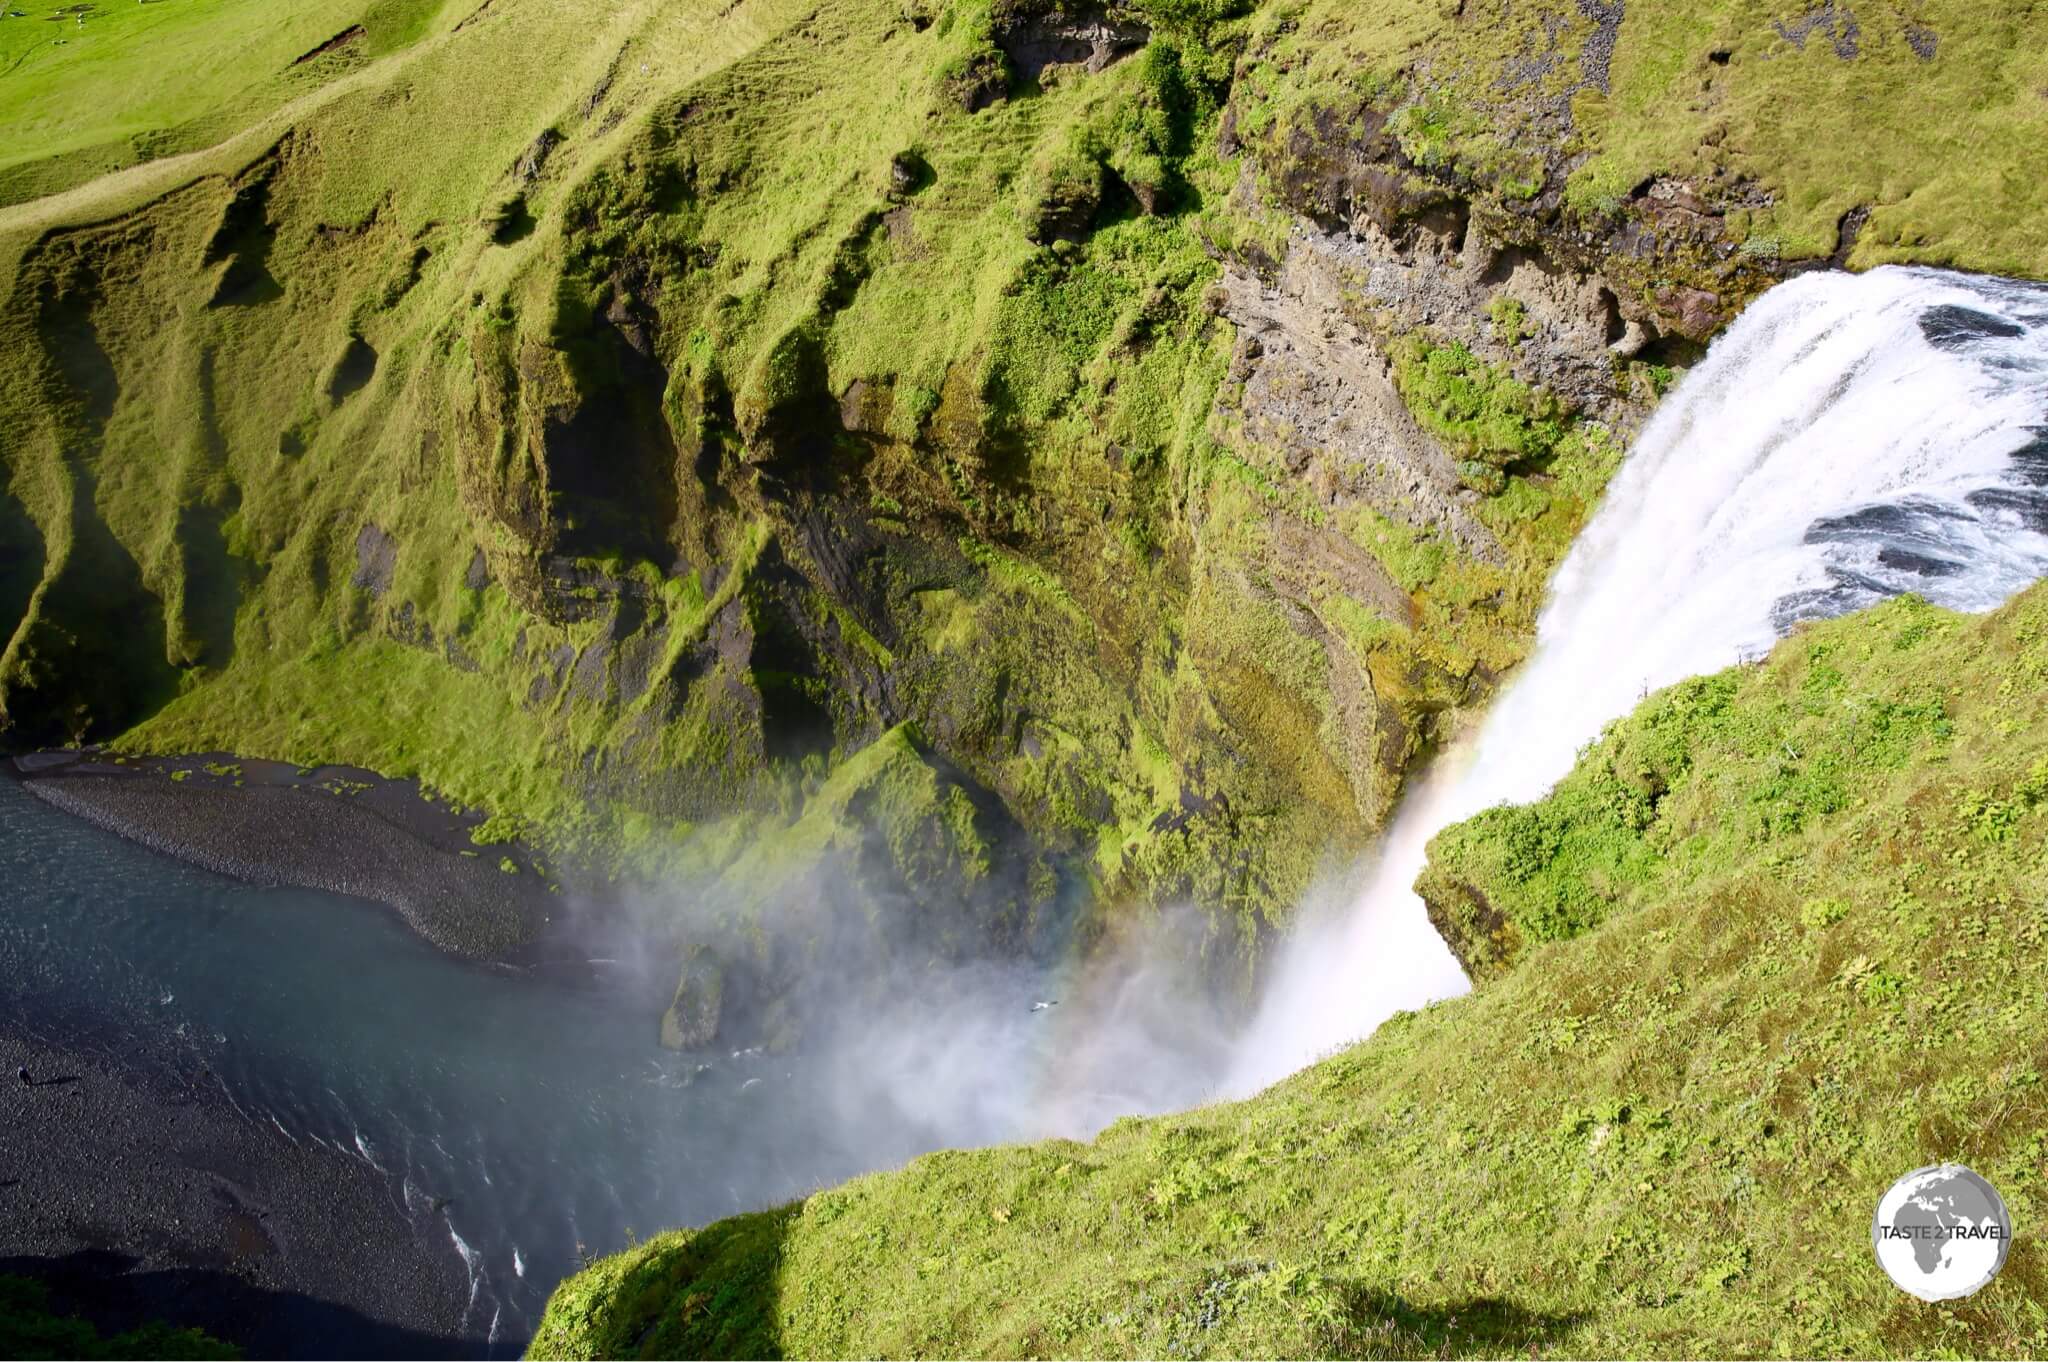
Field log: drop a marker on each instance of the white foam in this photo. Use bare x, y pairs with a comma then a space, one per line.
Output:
363, 1148
470, 1261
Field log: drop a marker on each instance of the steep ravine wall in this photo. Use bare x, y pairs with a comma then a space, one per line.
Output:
1092, 484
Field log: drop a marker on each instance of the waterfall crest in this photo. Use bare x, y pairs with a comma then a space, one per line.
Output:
1849, 439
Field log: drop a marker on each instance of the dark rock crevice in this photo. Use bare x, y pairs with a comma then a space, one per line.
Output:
609, 456
245, 237
351, 34
92, 657
1090, 40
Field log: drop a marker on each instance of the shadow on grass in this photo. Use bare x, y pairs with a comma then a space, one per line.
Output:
1380, 1324
102, 1288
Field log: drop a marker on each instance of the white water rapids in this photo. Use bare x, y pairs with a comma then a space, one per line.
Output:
1850, 438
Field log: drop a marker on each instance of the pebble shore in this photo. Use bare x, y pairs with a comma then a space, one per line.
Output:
138, 1191
329, 828
138, 1196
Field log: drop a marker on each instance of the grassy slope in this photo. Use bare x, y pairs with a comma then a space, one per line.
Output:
427, 163
1687, 787
1827, 135
407, 148
184, 484
1662, 1136
297, 675
396, 707
87, 93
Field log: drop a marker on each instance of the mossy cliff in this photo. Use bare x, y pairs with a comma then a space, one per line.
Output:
1150, 421
1780, 939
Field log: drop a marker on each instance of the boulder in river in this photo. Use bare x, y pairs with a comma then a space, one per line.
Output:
691, 1022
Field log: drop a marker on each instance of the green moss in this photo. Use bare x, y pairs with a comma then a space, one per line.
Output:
734, 1320
1489, 420
1467, 614
1709, 775
222, 369
887, 789
1981, 84
496, 830
1699, 92
1510, 318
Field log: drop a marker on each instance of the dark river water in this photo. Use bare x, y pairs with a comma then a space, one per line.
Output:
516, 1118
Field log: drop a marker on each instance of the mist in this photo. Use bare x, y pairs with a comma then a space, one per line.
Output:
1852, 437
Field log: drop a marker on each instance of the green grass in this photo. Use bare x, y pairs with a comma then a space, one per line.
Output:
1705, 774
1487, 419
1661, 1131
1932, 146
726, 160
739, 178
139, 80
1935, 148
366, 298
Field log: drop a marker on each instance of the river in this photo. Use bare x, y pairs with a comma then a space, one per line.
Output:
516, 1118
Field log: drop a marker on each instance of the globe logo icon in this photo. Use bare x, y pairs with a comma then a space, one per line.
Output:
1941, 1232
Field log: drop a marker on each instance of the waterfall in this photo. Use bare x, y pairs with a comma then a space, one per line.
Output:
1850, 438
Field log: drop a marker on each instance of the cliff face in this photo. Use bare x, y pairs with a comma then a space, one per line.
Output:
1055, 458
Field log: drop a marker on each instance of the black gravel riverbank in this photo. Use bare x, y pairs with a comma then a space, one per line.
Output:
331, 828
138, 1198
136, 1189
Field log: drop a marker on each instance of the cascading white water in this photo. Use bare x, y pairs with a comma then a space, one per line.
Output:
1850, 438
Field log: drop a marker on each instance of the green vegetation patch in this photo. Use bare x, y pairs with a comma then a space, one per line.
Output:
88, 88
1714, 773
1883, 95
1741, 134
622, 420
471, 458
29, 1328
1489, 420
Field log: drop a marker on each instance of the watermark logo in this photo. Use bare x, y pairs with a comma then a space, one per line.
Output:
1941, 1233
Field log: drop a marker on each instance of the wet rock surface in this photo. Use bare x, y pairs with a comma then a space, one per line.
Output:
1314, 379
376, 560
1318, 388
1091, 41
